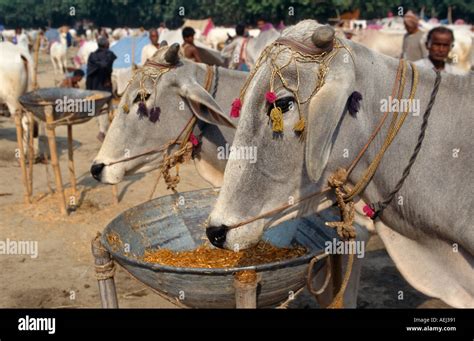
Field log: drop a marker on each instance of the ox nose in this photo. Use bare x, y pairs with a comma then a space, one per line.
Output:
216, 235
96, 170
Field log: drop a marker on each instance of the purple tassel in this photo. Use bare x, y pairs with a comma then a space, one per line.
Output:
154, 114
353, 103
142, 110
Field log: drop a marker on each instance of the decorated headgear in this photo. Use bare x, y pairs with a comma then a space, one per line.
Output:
324, 49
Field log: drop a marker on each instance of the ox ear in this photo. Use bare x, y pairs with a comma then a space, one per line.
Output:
204, 106
326, 111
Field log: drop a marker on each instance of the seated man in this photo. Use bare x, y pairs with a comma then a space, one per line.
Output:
73, 82
439, 43
189, 49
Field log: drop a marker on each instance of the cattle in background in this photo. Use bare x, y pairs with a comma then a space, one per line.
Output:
58, 53
16, 70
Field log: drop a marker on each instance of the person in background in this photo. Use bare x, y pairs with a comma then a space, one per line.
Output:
162, 28
263, 25
149, 50
412, 46
439, 43
189, 49
236, 50
21, 39
73, 81
99, 77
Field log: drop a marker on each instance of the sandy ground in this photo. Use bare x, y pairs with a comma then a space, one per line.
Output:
63, 276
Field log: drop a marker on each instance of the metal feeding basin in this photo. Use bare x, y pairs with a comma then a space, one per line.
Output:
74, 104
177, 222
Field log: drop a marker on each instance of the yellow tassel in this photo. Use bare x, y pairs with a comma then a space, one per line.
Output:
299, 126
276, 115
125, 108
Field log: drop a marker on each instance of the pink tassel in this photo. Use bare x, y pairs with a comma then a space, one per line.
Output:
369, 212
236, 106
194, 141
271, 97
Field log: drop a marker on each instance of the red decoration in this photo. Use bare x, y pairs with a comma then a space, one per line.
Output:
271, 97
194, 141
236, 106
369, 212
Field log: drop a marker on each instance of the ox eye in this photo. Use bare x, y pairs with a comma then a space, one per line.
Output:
285, 104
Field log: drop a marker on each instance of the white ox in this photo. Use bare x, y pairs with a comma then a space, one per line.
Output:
86, 48
218, 36
428, 232
58, 53
16, 70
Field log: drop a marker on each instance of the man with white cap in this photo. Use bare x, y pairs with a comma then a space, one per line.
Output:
412, 46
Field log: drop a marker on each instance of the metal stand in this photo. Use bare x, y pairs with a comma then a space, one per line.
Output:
105, 271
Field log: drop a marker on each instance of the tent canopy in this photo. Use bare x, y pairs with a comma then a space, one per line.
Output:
123, 50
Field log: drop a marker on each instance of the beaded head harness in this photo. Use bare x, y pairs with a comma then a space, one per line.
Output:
322, 52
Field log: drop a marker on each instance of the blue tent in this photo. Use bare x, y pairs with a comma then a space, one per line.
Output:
123, 51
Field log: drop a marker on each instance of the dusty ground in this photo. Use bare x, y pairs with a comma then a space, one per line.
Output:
62, 275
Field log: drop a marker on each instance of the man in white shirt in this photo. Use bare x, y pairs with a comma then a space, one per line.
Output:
439, 43
149, 50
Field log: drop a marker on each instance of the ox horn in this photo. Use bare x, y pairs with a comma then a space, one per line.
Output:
171, 56
323, 37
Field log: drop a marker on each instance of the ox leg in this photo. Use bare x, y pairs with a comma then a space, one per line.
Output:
105, 270
21, 154
55, 66
54, 157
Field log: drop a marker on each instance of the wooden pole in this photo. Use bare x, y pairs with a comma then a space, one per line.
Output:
246, 291
35, 73
31, 152
72, 172
21, 155
105, 270
54, 157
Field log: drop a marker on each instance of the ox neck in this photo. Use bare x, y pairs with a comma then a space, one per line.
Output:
376, 87
354, 133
